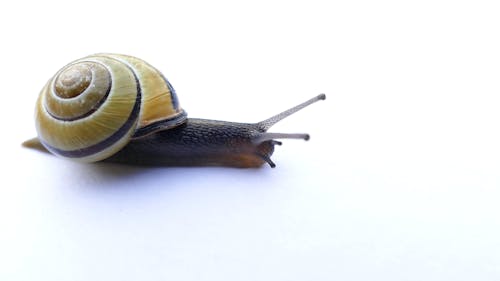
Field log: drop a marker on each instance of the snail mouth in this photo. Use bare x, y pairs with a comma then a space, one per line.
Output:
264, 143
265, 150
250, 159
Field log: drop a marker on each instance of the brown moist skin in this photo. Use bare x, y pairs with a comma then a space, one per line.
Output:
200, 142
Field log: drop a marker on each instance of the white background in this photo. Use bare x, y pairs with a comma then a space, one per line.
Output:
400, 180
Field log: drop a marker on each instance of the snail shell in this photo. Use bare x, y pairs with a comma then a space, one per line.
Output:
93, 106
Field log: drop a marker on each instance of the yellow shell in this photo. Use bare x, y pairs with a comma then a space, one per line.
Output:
93, 106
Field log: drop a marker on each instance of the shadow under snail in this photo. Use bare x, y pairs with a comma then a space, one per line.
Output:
118, 108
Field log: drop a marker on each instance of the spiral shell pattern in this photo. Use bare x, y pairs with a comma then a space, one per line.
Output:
93, 106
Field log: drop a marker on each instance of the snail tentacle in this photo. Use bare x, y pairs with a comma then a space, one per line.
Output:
268, 123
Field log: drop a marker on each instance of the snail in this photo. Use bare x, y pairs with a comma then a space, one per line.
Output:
118, 108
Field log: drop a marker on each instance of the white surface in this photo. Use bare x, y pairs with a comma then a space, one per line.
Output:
400, 180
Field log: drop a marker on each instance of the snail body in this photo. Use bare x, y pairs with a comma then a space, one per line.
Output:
118, 108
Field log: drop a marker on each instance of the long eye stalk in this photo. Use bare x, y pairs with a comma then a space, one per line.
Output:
264, 125
268, 123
